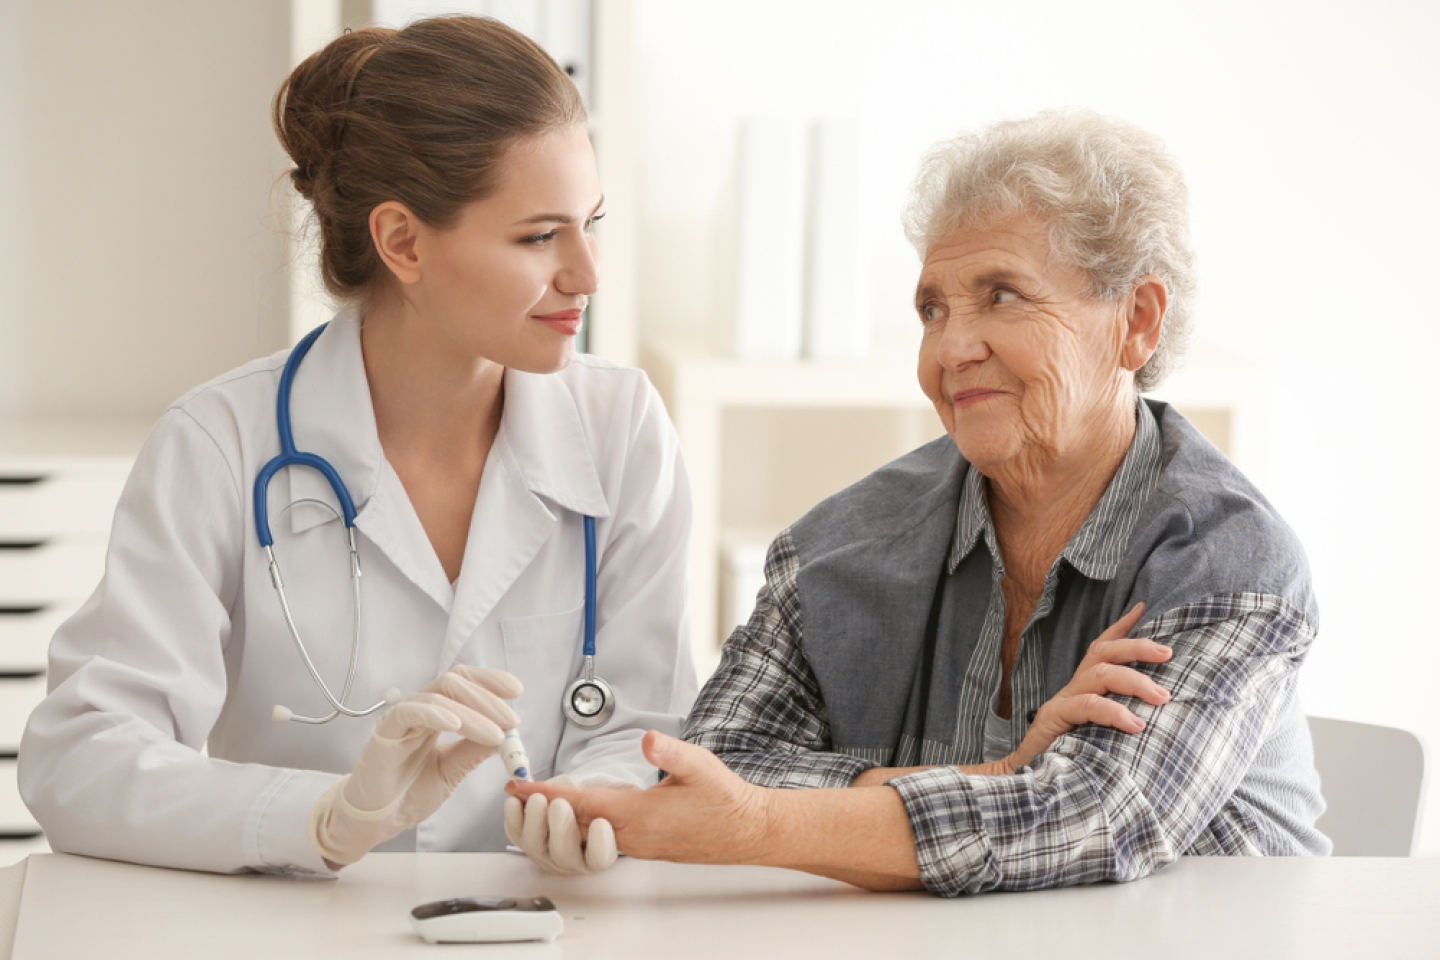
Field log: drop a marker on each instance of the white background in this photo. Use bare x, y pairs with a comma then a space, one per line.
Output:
1310, 137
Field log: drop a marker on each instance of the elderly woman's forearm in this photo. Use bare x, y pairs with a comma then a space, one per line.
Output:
858, 835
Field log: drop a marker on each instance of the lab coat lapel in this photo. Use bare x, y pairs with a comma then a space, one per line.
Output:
332, 415
541, 463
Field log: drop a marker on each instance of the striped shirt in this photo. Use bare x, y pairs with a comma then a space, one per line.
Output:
1094, 551
1098, 804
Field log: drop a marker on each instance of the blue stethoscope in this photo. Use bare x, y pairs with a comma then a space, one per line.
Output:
588, 701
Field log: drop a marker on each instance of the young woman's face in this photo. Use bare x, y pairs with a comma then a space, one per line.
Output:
510, 279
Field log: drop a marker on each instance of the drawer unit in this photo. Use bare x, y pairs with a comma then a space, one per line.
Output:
25, 632
18, 696
15, 820
59, 483
38, 506
48, 571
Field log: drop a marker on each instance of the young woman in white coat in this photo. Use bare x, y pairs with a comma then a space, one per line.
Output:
456, 196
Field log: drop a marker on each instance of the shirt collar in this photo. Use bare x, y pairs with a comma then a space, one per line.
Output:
1098, 545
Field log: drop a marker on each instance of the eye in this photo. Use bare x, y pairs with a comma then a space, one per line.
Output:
1004, 295
590, 224
933, 312
539, 239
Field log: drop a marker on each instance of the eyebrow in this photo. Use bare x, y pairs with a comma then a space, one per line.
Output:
990, 278
925, 291
557, 217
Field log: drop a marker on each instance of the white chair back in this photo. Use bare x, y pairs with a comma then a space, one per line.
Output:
1373, 780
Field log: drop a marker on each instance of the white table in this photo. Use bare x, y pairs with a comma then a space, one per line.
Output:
77, 907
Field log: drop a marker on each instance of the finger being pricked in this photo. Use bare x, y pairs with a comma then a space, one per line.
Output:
587, 803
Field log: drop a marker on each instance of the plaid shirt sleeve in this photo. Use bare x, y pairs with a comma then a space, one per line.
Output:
1102, 805
762, 712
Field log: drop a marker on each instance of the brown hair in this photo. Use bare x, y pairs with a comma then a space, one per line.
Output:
420, 115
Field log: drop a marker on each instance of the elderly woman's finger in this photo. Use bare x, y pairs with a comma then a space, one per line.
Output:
1125, 624
1128, 650
587, 804
1105, 678
1093, 708
1062, 714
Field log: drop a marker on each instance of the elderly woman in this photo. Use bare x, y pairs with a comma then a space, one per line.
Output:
921, 654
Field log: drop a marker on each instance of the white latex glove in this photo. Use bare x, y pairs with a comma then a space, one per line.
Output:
550, 836
404, 774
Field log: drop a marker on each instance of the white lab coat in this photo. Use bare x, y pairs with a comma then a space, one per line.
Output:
183, 646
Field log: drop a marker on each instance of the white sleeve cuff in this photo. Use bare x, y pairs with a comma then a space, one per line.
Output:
280, 824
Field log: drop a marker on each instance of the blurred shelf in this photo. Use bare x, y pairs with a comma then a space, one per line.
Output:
698, 389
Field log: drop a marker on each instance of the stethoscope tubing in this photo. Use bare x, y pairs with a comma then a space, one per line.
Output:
289, 456
590, 586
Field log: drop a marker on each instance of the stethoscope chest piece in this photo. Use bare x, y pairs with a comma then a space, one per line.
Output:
588, 700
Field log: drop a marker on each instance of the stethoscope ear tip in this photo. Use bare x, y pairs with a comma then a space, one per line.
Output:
281, 714
393, 695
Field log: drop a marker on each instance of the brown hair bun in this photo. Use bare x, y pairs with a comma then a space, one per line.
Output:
420, 115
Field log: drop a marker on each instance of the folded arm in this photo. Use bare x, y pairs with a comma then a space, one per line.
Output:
1102, 805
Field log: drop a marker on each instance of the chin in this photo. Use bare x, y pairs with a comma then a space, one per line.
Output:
545, 361
984, 451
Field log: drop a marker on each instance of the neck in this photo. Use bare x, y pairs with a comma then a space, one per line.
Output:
1039, 502
431, 401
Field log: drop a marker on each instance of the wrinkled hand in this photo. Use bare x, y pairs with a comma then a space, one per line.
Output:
404, 774
551, 836
1083, 700
700, 813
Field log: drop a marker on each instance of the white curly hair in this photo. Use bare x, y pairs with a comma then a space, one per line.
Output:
1112, 197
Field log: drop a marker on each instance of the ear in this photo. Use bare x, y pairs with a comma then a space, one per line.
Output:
1144, 320
395, 230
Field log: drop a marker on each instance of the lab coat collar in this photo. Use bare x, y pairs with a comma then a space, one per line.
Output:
541, 460
551, 449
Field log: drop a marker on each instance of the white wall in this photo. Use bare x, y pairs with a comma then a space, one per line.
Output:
140, 254
1310, 140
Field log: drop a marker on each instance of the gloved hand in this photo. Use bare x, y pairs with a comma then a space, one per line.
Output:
404, 774
549, 835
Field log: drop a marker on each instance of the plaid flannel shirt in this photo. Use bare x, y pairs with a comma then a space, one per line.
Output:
1098, 804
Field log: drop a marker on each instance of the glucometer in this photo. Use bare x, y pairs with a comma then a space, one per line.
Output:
487, 920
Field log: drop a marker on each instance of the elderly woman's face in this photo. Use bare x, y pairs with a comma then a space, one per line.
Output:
1021, 364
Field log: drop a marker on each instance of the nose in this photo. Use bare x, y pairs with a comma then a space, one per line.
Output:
961, 343
579, 272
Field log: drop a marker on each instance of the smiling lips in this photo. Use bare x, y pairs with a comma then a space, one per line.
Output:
564, 321
964, 399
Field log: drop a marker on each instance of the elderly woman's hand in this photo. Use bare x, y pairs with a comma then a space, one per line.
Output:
700, 813
1083, 700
